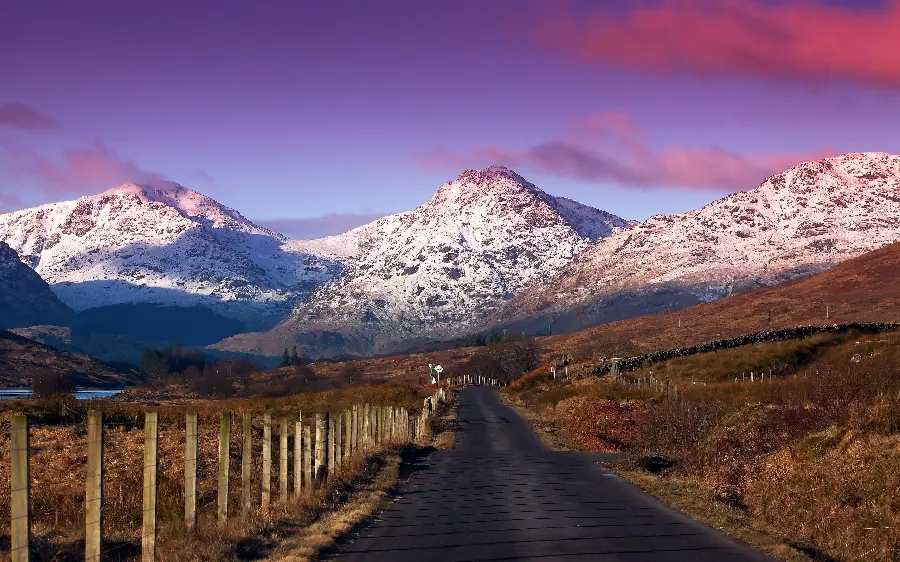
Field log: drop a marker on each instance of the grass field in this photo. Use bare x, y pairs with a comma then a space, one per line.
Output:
810, 455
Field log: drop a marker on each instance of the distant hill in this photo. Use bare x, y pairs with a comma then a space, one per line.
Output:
863, 289
25, 299
21, 359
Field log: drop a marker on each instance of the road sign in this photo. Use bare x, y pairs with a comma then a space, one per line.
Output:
438, 369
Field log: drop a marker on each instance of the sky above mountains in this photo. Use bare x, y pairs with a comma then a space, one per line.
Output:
313, 117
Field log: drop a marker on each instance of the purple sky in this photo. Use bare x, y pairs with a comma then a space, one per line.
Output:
314, 116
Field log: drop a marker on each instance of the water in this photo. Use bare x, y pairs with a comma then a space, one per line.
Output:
79, 394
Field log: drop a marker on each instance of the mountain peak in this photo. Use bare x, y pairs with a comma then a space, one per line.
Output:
493, 175
189, 203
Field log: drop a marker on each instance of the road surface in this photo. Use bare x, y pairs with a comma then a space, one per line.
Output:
500, 495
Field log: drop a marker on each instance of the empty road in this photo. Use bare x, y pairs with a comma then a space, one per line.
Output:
500, 495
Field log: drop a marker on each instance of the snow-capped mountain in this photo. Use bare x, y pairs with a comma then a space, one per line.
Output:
796, 223
25, 299
162, 243
436, 271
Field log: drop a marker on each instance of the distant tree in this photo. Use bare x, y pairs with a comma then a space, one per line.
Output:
295, 358
514, 358
48, 383
161, 364
484, 365
213, 381
285, 359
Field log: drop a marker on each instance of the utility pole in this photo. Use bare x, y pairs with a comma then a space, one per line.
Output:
827, 310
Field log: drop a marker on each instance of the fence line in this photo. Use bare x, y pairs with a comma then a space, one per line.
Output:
361, 430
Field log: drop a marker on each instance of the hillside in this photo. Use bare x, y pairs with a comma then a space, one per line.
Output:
25, 299
21, 359
796, 223
863, 289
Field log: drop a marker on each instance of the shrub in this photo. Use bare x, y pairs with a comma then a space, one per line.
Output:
48, 383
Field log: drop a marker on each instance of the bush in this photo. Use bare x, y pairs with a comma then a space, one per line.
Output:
48, 383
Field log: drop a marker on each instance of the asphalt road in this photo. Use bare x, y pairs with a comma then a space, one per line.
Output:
500, 495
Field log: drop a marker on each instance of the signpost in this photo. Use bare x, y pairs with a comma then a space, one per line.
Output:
437, 369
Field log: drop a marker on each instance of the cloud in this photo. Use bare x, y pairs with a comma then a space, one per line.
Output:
317, 227
20, 116
87, 169
610, 148
797, 40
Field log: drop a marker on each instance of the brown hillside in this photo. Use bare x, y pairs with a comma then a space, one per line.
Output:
21, 359
864, 289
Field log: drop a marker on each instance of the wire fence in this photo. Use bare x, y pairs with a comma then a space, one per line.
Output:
108, 490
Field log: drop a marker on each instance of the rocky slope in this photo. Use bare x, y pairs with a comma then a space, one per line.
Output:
25, 299
436, 271
162, 243
796, 223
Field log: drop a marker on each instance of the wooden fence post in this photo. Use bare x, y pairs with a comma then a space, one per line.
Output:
190, 471
338, 435
389, 424
93, 497
20, 490
308, 457
283, 459
354, 422
267, 461
379, 426
298, 456
322, 448
224, 448
323, 463
348, 436
151, 447
367, 428
246, 464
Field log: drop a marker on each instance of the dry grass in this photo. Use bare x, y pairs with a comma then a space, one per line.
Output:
58, 463
809, 458
442, 426
308, 540
697, 502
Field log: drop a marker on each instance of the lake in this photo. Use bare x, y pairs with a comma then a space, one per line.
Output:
79, 394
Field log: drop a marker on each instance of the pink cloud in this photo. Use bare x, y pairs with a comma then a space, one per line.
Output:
613, 121
614, 152
317, 227
20, 116
94, 167
792, 40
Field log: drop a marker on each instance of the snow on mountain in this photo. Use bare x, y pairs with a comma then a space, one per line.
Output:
162, 243
25, 299
796, 223
436, 271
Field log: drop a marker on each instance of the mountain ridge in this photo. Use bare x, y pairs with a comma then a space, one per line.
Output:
796, 223
162, 243
428, 272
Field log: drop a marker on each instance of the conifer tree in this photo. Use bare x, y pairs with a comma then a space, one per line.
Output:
295, 358
285, 359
